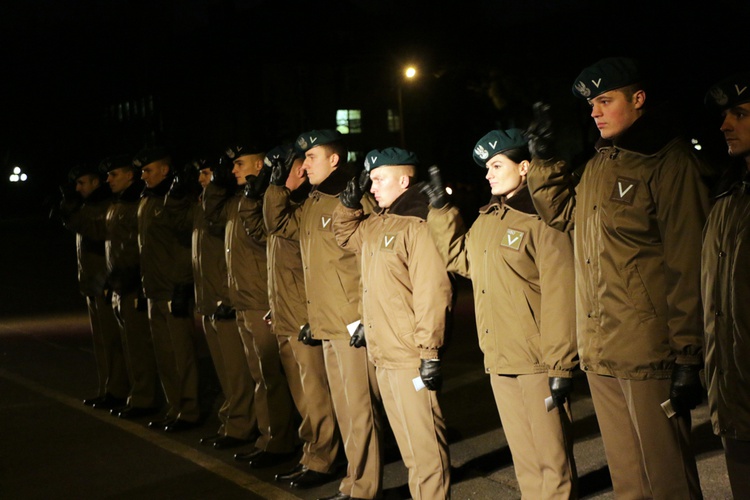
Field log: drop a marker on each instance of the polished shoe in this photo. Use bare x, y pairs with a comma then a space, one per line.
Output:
209, 440
268, 459
290, 474
337, 496
93, 401
180, 425
226, 442
134, 412
311, 479
247, 456
161, 423
109, 402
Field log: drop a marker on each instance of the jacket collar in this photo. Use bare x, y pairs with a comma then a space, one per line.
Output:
99, 194
131, 193
334, 183
647, 135
412, 202
521, 202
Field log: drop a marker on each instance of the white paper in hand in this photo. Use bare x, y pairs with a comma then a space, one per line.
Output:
352, 327
418, 384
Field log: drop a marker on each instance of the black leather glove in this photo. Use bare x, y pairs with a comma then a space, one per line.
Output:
358, 337
256, 185
434, 188
540, 133
305, 336
351, 195
686, 391
281, 166
224, 311
364, 181
429, 372
222, 175
560, 389
181, 296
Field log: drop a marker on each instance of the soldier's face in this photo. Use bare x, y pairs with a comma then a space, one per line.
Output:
736, 129
388, 183
614, 113
246, 165
153, 173
204, 177
505, 175
119, 179
319, 164
86, 184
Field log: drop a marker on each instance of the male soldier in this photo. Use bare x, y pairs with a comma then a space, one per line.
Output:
726, 285
168, 286
83, 213
124, 276
638, 212
401, 265
303, 364
332, 286
245, 250
237, 420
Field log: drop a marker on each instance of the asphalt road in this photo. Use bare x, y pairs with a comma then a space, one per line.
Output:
55, 447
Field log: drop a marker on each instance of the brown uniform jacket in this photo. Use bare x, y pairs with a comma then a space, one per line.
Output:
209, 265
332, 274
638, 213
123, 259
244, 245
406, 292
165, 248
522, 275
725, 270
87, 221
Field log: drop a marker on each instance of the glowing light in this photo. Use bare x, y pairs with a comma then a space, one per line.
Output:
14, 178
410, 72
24, 177
16, 170
448, 190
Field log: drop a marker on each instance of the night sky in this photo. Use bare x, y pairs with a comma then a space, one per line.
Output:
65, 61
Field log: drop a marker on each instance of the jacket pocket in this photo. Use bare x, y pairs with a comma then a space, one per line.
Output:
637, 292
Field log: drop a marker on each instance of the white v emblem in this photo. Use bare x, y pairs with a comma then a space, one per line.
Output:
597, 82
493, 144
623, 193
325, 221
313, 139
388, 240
738, 90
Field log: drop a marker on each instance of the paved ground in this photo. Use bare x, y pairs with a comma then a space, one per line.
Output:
54, 447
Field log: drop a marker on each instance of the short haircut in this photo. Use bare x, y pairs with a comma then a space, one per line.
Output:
517, 155
340, 149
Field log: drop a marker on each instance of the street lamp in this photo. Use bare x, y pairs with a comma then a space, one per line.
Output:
410, 72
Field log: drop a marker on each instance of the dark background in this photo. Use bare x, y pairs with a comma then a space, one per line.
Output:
83, 79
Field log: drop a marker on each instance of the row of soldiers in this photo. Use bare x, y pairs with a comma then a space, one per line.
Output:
329, 292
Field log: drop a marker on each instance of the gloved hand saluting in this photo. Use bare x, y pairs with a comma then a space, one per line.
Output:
364, 181
256, 184
351, 195
358, 337
305, 336
281, 166
434, 188
429, 372
560, 389
539, 133
686, 391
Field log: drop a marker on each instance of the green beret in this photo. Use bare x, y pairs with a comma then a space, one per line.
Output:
243, 149
82, 169
729, 92
150, 155
199, 164
114, 162
282, 152
605, 75
313, 138
497, 142
388, 157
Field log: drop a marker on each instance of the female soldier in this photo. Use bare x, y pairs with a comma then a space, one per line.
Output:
522, 276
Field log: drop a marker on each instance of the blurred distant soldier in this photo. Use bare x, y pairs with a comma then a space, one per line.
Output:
725, 282
245, 251
124, 275
304, 365
83, 212
236, 416
168, 284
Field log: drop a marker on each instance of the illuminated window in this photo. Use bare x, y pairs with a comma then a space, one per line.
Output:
394, 121
349, 121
